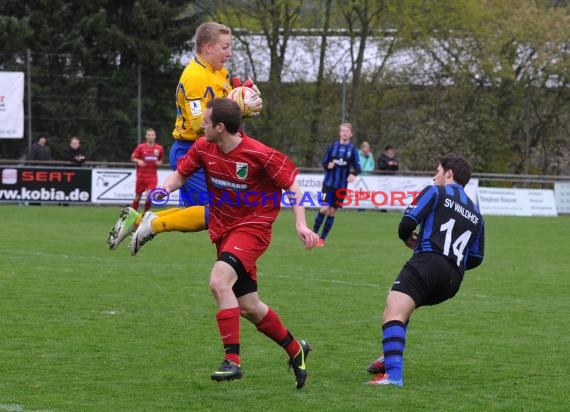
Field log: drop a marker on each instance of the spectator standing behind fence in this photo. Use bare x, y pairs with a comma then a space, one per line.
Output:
74, 153
147, 156
387, 161
40, 150
366, 157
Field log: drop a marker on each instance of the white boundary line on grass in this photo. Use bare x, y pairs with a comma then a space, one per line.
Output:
13, 407
90, 257
332, 281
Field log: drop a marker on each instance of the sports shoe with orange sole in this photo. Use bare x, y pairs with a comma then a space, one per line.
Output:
384, 379
377, 366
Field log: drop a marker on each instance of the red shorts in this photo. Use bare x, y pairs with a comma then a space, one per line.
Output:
147, 183
247, 244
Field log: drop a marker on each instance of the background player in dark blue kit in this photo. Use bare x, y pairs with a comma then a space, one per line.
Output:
450, 241
341, 166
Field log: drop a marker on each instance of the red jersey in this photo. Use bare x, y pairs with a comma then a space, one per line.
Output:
150, 155
244, 186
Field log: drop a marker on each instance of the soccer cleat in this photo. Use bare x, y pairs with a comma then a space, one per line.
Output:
143, 233
227, 371
377, 366
384, 379
320, 242
124, 226
297, 362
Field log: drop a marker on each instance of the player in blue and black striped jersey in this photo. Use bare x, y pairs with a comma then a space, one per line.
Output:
341, 166
450, 241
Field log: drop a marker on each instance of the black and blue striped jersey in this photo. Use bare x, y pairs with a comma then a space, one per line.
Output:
450, 224
345, 158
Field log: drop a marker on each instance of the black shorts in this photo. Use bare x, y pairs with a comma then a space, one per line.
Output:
331, 197
429, 279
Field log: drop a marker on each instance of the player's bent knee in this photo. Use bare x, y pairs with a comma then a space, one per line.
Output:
244, 284
220, 280
220, 289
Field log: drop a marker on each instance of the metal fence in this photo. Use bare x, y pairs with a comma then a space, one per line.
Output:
489, 179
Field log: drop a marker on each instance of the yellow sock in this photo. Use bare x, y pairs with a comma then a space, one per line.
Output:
159, 213
189, 219
166, 212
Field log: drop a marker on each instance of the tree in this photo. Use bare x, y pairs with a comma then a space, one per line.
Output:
495, 65
488, 78
314, 143
85, 61
274, 22
362, 19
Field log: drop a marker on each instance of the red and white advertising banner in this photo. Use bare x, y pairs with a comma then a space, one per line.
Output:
375, 192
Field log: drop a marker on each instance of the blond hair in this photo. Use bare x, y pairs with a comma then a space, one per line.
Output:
209, 33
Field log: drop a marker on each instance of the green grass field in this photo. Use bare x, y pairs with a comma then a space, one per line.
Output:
86, 329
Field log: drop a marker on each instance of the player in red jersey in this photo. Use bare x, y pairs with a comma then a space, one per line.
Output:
147, 156
245, 180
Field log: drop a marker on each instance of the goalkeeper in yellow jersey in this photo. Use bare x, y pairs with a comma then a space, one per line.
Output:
203, 79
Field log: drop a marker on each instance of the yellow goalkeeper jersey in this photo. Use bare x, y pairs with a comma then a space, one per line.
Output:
199, 83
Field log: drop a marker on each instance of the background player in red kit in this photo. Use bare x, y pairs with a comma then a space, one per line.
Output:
147, 156
245, 180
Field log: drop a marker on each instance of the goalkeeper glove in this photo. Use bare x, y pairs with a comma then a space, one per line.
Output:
236, 82
254, 104
249, 83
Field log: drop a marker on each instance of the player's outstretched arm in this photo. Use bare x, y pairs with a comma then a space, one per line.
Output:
307, 236
174, 181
